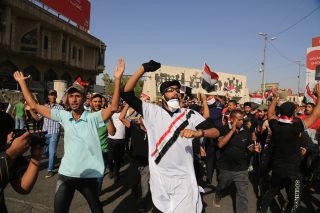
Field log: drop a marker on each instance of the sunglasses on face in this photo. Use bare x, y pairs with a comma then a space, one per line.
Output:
171, 89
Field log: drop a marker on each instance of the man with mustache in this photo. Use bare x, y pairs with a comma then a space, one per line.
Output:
82, 162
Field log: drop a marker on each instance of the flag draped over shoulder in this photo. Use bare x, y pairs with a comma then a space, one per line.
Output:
208, 79
309, 97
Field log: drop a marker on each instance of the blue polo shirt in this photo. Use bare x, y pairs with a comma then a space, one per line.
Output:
82, 151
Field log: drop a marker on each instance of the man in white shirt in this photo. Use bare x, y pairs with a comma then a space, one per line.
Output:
170, 130
116, 146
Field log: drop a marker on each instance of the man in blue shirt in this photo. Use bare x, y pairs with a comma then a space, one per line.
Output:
82, 162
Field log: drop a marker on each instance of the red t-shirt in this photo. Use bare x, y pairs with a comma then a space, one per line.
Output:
315, 125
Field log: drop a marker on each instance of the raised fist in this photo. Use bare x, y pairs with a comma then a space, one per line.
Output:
151, 66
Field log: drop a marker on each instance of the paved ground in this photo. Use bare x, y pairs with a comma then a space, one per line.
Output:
117, 198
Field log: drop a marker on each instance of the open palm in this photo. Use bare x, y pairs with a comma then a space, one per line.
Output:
18, 76
118, 72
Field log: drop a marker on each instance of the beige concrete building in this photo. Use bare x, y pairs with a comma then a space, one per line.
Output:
234, 85
49, 48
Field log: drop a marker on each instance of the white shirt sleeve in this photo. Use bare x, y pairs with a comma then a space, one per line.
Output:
149, 112
196, 119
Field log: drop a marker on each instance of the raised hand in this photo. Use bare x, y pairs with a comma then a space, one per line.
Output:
118, 71
317, 89
18, 76
151, 66
275, 92
19, 145
234, 125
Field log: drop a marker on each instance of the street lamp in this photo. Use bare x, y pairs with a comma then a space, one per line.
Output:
299, 64
262, 70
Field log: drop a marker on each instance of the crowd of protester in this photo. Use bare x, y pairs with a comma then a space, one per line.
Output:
176, 145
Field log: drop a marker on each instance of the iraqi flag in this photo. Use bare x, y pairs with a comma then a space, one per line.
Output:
309, 97
255, 98
208, 79
185, 89
268, 95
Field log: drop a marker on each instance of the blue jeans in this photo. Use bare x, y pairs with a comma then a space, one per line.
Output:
19, 123
51, 149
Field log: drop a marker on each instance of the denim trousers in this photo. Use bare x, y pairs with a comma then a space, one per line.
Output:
51, 149
19, 124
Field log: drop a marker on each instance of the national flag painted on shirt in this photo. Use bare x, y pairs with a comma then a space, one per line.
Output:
208, 79
309, 97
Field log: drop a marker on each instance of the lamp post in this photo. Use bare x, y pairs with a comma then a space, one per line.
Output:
263, 67
299, 64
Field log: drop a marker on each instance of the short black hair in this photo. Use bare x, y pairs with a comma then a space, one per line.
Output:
287, 108
167, 84
233, 101
311, 104
235, 112
247, 104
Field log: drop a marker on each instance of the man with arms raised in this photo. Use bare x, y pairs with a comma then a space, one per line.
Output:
286, 146
82, 162
170, 130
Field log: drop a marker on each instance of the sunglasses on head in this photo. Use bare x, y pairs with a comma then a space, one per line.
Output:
171, 89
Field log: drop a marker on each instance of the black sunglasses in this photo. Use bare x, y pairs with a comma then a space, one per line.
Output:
171, 89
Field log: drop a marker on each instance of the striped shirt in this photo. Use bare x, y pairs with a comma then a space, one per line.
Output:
51, 126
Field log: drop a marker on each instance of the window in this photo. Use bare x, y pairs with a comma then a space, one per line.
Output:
45, 43
64, 45
80, 55
74, 52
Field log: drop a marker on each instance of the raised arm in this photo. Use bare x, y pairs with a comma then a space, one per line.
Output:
122, 116
146, 67
316, 112
118, 72
21, 79
111, 128
272, 107
222, 141
128, 94
206, 112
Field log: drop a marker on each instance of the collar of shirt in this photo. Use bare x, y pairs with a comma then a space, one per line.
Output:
172, 113
83, 116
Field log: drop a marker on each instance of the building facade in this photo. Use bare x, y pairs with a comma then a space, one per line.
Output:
233, 85
41, 44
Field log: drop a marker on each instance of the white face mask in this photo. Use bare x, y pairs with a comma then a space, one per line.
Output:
173, 104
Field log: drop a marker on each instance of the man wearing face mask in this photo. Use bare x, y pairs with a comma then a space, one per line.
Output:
170, 130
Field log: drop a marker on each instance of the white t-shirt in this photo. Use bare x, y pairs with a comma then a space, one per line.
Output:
172, 180
120, 128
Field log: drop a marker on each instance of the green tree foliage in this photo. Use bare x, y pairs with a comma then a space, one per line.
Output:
109, 84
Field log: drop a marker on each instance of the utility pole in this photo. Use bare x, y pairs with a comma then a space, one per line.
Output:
263, 67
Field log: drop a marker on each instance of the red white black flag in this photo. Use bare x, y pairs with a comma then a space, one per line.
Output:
208, 79
309, 97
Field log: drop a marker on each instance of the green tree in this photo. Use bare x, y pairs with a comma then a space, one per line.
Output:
109, 84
